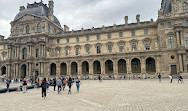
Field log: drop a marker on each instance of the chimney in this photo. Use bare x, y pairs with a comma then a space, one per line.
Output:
22, 8
126, 20
66, 28
138, 18
51, 10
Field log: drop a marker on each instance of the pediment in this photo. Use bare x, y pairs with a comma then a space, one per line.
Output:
26, 17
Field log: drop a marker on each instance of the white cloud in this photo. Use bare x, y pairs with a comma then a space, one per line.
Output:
85, 13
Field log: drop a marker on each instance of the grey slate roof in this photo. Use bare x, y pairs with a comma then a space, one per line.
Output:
38, 9
166, 6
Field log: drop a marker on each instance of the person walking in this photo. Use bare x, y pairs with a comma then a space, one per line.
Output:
170, 76
159, 76
78, 84
8, 85
59, 84
180, 79
64, 83
54, 83
44, 87
24, 86
69, 84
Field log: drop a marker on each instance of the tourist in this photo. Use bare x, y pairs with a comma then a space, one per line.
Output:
24, 86
170, 76
59, 84
69, 84
100, 78
54, 83
64, 83
180, 79
159, 76
8, 84
44, 86
78, 85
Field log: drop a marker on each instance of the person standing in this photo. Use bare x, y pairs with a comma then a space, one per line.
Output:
54, 83
170, 76
159, 76
64, 83
59, 84
8, 85
24, 86
70, 84
78, 85
44, 87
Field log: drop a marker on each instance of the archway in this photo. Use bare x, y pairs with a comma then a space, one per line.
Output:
23, 71
74, 69
3, 70
135, 65
122, 68
150, 65
85, 68
53, 69
63, 69
109, 67
96, 67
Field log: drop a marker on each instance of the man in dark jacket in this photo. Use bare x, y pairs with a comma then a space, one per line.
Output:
44, 87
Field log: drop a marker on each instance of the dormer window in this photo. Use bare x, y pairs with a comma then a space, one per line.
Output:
98, 36
120, 34
87, 38
145, 31
169, 24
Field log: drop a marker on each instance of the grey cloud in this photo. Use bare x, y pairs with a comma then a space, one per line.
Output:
85, 13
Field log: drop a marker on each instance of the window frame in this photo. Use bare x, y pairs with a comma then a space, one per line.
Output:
133, 33
109, 35
170, 42
27, 29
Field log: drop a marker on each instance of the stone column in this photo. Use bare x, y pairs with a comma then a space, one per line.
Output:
129, 70
58, 70
103, 70
182, 38
178, 38
185, 63
79, 68
115, 68
158, 67
143, 67
180, 63
69, 68
91, 67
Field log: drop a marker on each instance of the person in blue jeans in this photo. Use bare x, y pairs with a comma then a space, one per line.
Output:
78, 85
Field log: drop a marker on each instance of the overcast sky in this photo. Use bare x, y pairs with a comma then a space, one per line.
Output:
85, 13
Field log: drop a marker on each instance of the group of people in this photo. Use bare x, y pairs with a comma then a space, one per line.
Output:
60, 84
179, 77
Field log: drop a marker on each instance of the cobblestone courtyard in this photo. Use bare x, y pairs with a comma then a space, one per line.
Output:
122, 95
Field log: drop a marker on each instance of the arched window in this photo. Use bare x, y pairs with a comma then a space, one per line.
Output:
27, 29
24, 53
37, 52
17, 31
185, 7
38, 28
170, 42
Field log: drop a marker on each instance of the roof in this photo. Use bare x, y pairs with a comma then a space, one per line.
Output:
166, 6
38, 9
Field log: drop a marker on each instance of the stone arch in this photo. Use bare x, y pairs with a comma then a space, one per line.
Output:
53, 69
135, 65
63, 67
85, 68
74, 68
122, 67
150, 65
3, 70
109, 67
23, 71
96, 67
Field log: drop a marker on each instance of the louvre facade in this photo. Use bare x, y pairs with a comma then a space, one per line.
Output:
39, 46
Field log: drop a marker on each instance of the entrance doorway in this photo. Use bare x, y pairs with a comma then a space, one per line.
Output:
173, 70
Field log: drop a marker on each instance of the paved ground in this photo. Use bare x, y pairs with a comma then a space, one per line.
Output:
122, 95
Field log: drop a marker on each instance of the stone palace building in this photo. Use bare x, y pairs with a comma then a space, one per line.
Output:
39, 46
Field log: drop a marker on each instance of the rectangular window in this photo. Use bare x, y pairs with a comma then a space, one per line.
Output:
109, 48
67, 52
77, 39
77, 51
120, 34
58, 52
133, 46
58, 41
37, 52
147, 45
121, 47
170, 42
67, 40
185, 7
145, 31
98, 49
87, 38
169, 25
88, 50
109, 36
98, 37
133, 33
186, 22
